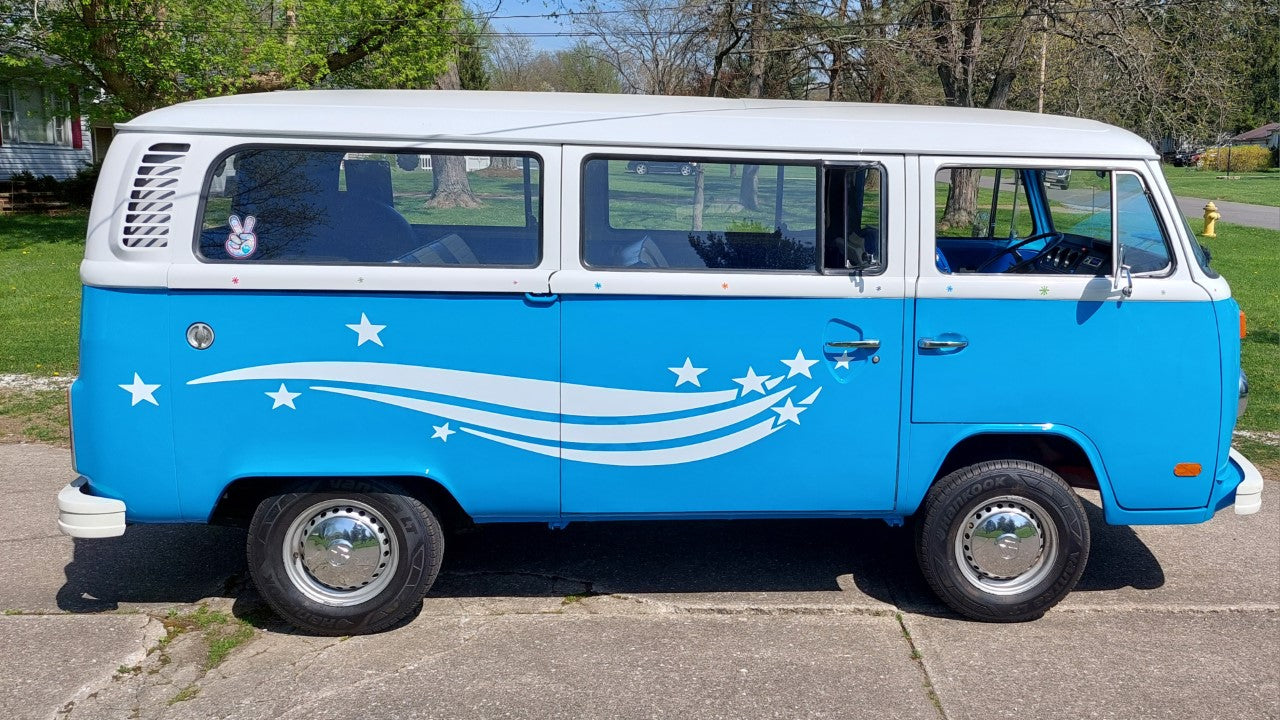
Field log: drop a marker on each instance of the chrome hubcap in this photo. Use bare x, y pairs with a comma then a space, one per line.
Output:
340, 552
1005, 545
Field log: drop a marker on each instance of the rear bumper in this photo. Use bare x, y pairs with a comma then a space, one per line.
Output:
1249, 491
82, 515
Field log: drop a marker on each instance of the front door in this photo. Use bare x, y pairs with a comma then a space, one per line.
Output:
731, 337
1017, 322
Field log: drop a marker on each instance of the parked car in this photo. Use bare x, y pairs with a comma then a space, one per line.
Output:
661, 167
1058, 177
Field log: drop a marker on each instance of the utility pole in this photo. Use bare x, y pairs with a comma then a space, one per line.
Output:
1044, 47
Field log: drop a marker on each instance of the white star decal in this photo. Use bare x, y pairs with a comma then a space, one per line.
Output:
799, 365
842, 362
443, 432
789, 413
752, 382
141, 391
282, 398
687, 373
367, 331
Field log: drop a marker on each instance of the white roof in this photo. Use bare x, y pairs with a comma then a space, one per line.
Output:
645, 120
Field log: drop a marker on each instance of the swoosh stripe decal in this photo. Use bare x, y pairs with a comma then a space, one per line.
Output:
644, 458
547, 396
574, 432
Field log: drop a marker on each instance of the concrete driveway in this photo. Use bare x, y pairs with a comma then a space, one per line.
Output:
716, 619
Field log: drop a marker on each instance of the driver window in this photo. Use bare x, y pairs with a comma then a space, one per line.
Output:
1041, 220
1146, 250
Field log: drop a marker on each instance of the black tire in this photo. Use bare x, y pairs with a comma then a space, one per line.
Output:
1004, 493
407, 533
641, 168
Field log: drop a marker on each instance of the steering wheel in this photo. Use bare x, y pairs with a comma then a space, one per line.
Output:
1014, 248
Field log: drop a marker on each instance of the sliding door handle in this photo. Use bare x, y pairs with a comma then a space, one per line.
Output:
869, 344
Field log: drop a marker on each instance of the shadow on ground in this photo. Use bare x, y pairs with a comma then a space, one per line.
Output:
187, 563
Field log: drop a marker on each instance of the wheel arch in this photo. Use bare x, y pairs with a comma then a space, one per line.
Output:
240, 498
1063, 449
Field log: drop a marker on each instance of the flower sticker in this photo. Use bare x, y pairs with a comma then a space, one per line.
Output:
242, 242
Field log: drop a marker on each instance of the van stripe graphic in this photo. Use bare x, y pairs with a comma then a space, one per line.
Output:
547, 396
643, 458
576, 432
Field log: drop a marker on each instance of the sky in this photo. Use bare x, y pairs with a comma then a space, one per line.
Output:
530, 25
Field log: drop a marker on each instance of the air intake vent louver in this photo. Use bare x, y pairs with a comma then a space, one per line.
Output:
148, 212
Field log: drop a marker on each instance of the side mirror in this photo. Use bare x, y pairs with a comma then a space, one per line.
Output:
1122, 279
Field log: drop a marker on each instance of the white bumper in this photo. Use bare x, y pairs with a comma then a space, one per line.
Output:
1249, 492
81, 515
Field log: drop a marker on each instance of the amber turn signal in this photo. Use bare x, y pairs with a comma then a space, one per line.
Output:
1186, 469
1243, 324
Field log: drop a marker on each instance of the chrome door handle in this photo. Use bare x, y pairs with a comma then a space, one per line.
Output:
870, 344
931, 344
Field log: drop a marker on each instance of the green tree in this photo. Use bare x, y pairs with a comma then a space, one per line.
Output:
142, 54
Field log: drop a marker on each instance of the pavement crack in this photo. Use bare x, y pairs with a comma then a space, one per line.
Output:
918, 658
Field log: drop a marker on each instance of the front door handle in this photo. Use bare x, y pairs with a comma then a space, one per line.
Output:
932, 344
869, 344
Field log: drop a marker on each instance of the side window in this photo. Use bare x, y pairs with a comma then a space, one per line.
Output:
1143, 242
1044, 220
853, 218
334, 206
691, 215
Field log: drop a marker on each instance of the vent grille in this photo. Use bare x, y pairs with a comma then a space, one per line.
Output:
149, 210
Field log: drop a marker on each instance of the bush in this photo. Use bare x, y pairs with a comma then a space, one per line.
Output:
76, 190
1244, 158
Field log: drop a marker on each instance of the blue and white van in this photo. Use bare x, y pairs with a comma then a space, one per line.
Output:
349, 319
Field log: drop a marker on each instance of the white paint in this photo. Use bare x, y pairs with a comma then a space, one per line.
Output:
558, 118
789, 413
367, 331
799, 365
644, 458
282, 398
569, 432
687, 373
546, 396
140, 391
442, 432
752, 382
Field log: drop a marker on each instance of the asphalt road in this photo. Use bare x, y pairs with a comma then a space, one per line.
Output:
688, 620
1262, 216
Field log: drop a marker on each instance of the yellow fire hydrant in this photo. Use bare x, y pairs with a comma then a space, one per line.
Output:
1211, 217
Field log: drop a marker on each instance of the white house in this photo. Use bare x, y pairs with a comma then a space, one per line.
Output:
40, 132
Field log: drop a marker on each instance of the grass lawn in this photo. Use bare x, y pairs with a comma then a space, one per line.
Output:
40, 292
1254, 188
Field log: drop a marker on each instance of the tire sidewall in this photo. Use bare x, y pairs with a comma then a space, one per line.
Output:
963, 491
420, 544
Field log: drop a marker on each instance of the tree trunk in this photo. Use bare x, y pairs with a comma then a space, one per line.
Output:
450, 186
749, 193
962, 199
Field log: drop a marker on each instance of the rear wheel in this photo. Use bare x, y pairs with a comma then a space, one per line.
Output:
641, 168
686, 169
344, 557
1002, 541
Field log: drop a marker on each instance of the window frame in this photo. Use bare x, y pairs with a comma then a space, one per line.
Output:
220, 160
703, 160
1074, 164
883, 265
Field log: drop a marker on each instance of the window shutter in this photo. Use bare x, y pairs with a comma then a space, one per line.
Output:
77, 134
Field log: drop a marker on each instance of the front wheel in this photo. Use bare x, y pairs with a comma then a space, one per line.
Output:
344, 557
1002, 541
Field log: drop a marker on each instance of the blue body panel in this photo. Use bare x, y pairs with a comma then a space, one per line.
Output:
288, 389
126, 449
839, 456
1123, 374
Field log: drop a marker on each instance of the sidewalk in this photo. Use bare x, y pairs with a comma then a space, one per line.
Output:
1260, 216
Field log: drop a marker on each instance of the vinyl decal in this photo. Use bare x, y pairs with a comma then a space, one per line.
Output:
600, 425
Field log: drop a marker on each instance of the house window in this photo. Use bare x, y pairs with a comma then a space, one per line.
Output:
30, 114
